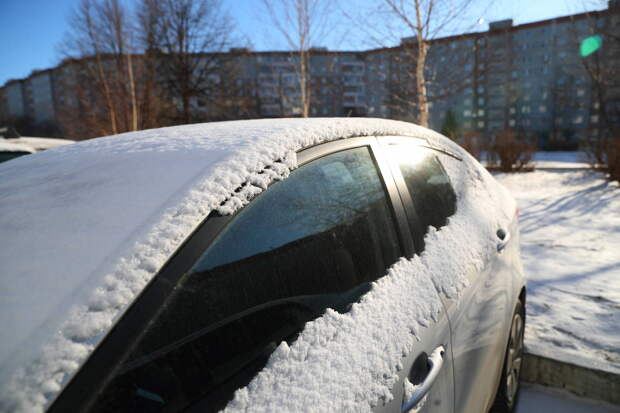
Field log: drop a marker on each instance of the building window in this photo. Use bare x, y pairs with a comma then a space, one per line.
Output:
481, 124
580, 92
511, 122
594, 118
513, 111
467, 113
578, 120
542, 108
480, 112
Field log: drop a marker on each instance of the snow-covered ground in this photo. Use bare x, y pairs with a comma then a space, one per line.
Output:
560, 160
570, 240
539, 399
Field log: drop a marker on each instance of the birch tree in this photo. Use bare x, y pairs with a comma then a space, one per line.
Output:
418, 23
301, 24
99, 46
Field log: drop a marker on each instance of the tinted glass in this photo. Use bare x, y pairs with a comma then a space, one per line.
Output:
314, 241
433, 198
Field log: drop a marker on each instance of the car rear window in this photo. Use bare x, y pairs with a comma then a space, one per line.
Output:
314, 241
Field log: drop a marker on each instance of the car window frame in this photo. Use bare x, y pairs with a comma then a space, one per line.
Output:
401, 184
105, 360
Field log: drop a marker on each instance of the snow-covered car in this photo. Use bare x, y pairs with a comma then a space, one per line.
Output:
289, 265
15, 147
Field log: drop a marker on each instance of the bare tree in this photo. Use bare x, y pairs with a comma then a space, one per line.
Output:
100, 51
155, 107
301, 23
598, 35
187, 36
419, 23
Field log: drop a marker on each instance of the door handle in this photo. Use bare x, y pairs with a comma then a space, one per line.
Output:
435, 361
504, 237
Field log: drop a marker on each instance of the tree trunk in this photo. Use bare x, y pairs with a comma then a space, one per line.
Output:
303, 82
132, 89
419, 69
107, 96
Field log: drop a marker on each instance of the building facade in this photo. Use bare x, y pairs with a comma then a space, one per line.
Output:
531, 78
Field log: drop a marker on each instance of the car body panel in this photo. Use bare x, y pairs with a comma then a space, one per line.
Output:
440, 397
480, 321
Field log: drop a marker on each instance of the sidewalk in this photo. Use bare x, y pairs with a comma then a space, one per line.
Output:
539, 399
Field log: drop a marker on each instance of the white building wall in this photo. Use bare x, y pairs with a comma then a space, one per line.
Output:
14, 100
42, 97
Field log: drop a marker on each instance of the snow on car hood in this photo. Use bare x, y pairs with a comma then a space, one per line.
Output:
86, 226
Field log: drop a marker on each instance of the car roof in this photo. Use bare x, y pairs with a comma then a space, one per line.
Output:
86, 226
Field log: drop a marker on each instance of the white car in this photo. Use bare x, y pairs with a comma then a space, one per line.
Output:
292, 265
12, 148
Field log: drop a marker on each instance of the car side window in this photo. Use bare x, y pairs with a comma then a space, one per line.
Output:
314, 241
428, 184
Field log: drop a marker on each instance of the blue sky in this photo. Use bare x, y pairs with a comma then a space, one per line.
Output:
30, 30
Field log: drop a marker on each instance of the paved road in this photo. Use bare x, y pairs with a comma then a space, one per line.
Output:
539, 399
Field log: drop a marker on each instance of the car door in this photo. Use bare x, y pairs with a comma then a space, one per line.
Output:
429, 200
243, 284
478, 315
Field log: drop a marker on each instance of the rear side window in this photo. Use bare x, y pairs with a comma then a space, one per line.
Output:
428, 184
314, 241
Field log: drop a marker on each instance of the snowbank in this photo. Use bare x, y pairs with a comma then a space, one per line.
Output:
570, 237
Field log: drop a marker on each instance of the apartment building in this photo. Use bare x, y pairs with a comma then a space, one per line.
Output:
529, 77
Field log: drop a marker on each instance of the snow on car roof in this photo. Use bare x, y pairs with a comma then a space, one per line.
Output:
8, 145
40, 144
87, 225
